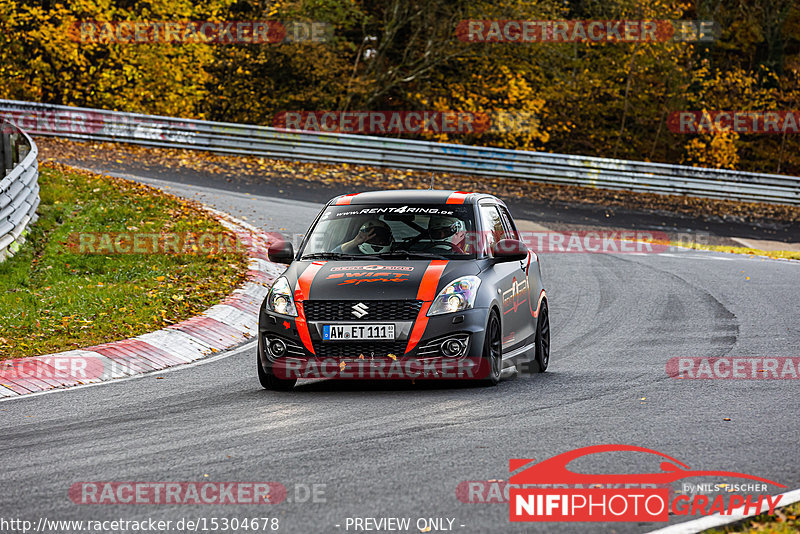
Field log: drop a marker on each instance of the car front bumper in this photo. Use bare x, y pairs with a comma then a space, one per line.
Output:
375, 360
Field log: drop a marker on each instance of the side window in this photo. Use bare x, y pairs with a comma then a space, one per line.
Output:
493, 230
511, 229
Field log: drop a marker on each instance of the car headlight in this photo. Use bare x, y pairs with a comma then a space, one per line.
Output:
458, 295
280, 298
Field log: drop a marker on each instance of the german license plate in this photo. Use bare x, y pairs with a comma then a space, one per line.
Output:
358, 332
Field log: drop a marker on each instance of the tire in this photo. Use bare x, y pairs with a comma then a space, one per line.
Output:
543, 338
492, 351
272, 382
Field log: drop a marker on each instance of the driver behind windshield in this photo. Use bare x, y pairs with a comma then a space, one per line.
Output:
374, 237
448, 231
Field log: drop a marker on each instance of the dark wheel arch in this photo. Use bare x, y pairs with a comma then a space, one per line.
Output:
492, 356
268, 380
542, 341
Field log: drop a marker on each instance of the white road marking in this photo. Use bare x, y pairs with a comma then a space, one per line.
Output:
235, 318
698, 256
763, 244
524, 225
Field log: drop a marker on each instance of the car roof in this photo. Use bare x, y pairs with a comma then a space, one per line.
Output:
433, 196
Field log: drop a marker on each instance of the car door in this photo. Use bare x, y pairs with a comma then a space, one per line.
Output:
526, 285
509, 278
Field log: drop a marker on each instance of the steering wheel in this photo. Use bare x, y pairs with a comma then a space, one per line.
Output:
452, 246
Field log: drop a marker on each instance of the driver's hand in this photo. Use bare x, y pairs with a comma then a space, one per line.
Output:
363, 237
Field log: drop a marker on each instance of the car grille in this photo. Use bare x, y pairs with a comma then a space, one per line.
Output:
355, 349
377, 310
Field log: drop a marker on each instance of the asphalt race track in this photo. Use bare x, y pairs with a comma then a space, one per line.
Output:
386, 449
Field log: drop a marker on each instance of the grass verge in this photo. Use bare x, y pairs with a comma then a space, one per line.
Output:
783, 521
53, 298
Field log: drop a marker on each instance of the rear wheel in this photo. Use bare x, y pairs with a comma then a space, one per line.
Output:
270, 381
543, 338
492, 351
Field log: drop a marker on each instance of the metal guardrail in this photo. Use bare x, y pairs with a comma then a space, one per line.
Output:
19, 188
229, 138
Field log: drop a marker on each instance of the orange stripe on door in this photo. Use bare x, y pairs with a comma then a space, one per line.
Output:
425, 293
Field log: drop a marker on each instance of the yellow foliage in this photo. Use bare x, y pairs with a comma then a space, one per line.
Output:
717, 150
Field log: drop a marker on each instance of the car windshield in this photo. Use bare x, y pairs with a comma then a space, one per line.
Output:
403, 230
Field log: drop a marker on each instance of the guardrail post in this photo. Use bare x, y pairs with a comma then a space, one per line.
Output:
8, 160
3, 170
22, 149
14, 141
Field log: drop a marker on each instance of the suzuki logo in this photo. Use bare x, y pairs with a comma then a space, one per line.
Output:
360, 310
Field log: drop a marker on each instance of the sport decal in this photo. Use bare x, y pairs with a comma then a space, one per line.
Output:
515, 296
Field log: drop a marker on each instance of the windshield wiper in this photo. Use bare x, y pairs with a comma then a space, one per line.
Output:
337, 256
324, 256
413, 254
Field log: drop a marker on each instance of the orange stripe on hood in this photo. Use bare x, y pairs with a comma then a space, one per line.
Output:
426, 293
301, 292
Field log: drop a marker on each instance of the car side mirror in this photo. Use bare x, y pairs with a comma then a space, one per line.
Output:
510, 250
281, 252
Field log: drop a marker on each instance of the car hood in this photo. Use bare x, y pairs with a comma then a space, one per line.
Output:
375, 280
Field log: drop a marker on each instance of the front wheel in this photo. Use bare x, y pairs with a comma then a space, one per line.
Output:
270, 381
543, 338
492, 351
